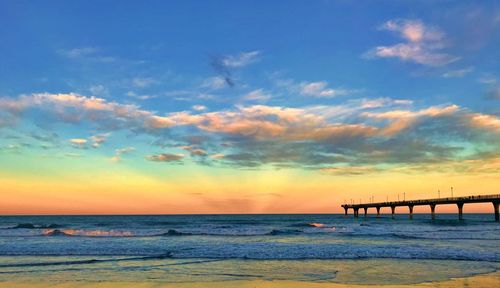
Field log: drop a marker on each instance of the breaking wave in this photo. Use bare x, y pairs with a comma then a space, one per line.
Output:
88, 233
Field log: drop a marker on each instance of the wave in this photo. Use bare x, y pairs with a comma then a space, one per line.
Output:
34, 226
312, 225
230, 231
173, 232
89, 261
266, 252
88, 233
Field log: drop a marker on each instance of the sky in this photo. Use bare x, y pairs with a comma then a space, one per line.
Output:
167, 107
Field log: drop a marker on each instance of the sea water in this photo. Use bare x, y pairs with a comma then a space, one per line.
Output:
190, 248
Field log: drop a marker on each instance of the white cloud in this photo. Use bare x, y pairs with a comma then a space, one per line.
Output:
143, 82
413, 30
140, 97
214, 83
217, 156
488, 79
320, 89
119, 152
85, 53
457, 73
257, 95
125, 150
421, 45
98, 139
97, 90
78, 142
199, 107
240, 60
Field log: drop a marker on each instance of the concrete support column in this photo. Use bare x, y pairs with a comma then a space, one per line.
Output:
460, 211
433, 211
356, 212
366, 211
495, 206
411, 211
345, 209
393, 209
378, 211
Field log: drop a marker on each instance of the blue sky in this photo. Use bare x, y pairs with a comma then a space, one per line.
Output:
172, 45
326, 87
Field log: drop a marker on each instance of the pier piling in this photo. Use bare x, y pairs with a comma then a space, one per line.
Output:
410, 207
433, 211
460, 211
393, 209
495, 206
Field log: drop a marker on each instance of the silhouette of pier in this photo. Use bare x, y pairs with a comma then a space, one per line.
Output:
459, 201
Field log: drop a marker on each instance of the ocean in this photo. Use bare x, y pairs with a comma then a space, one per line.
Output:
304, 248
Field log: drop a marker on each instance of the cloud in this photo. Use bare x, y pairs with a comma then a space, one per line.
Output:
119, 152
199, 107
98, 90
194, 150
377, 133
79, 143
125, 150
402, 119
85, 53
214, 83
320, 89
165, 157
413, 30
75, 108
217, 156
457, 73
257, 95
140, 97
486, 122
98, 139
350, 170
143, 82
422, 44
488, 79
239, 60
224, 65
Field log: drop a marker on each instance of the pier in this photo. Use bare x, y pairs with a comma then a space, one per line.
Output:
459, 201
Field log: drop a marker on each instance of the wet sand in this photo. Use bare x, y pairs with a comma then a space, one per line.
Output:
480, 281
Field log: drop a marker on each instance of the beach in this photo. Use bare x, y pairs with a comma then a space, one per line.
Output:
482, 280
249, 251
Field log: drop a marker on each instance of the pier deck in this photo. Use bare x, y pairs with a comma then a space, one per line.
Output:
459, 201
